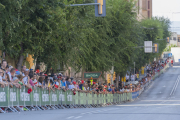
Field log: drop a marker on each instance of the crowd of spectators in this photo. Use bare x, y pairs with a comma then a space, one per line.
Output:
33, 79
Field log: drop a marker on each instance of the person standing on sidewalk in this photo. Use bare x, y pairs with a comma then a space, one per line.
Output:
172, 63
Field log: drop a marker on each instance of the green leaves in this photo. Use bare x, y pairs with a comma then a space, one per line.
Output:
73, 36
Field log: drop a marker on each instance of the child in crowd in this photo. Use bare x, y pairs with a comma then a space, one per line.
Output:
34, 80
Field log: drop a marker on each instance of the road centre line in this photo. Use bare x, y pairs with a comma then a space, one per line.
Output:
97, 111
70, 117
77, 117
175, 86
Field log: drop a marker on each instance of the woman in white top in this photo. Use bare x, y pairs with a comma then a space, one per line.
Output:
26, 79
1, 81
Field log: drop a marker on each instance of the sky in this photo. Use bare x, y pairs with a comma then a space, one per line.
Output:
169, 9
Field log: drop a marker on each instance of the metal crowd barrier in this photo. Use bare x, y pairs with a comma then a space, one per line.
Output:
15, 99
161, 72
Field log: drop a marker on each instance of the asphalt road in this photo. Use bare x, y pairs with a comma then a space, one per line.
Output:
161, 101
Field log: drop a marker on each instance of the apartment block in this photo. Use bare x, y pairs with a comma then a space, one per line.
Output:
174, 39
144, 9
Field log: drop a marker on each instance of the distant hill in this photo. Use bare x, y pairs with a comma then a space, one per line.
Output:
175, 26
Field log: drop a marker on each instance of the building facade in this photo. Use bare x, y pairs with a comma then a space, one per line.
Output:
144, 9
174, 39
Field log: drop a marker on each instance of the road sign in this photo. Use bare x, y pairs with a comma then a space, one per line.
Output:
169, 54
94, 75
148, 47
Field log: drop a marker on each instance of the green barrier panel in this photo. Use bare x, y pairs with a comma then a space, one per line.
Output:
69, 95
84, 98
87, 100
104, 99
45, 98
101, 99
95, 99
111, 96
75, 99
13, 96
62, 97
123, 97
89, 97
4, 96
114, 97
36, 94
20, 97
127, 97
130, 96
108, 98
98, 97
54, 97
119, 97
81, 100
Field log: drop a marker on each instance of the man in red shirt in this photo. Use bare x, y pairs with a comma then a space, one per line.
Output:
171, 62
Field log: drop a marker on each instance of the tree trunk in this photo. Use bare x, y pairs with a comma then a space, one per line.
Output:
37, 65
21, 58
82, 72
117, 80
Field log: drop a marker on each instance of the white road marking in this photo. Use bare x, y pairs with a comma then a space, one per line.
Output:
175, 86
70, 117
150, 105
77, 117
161, 100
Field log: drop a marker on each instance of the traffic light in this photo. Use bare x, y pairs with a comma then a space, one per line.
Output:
100, 10
155, 50
167, 39
114, 76
108, 78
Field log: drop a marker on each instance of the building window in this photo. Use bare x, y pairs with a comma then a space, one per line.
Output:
144, 5
178, 39
174, 38
165, 55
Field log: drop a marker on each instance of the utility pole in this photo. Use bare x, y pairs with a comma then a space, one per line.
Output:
134, 69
